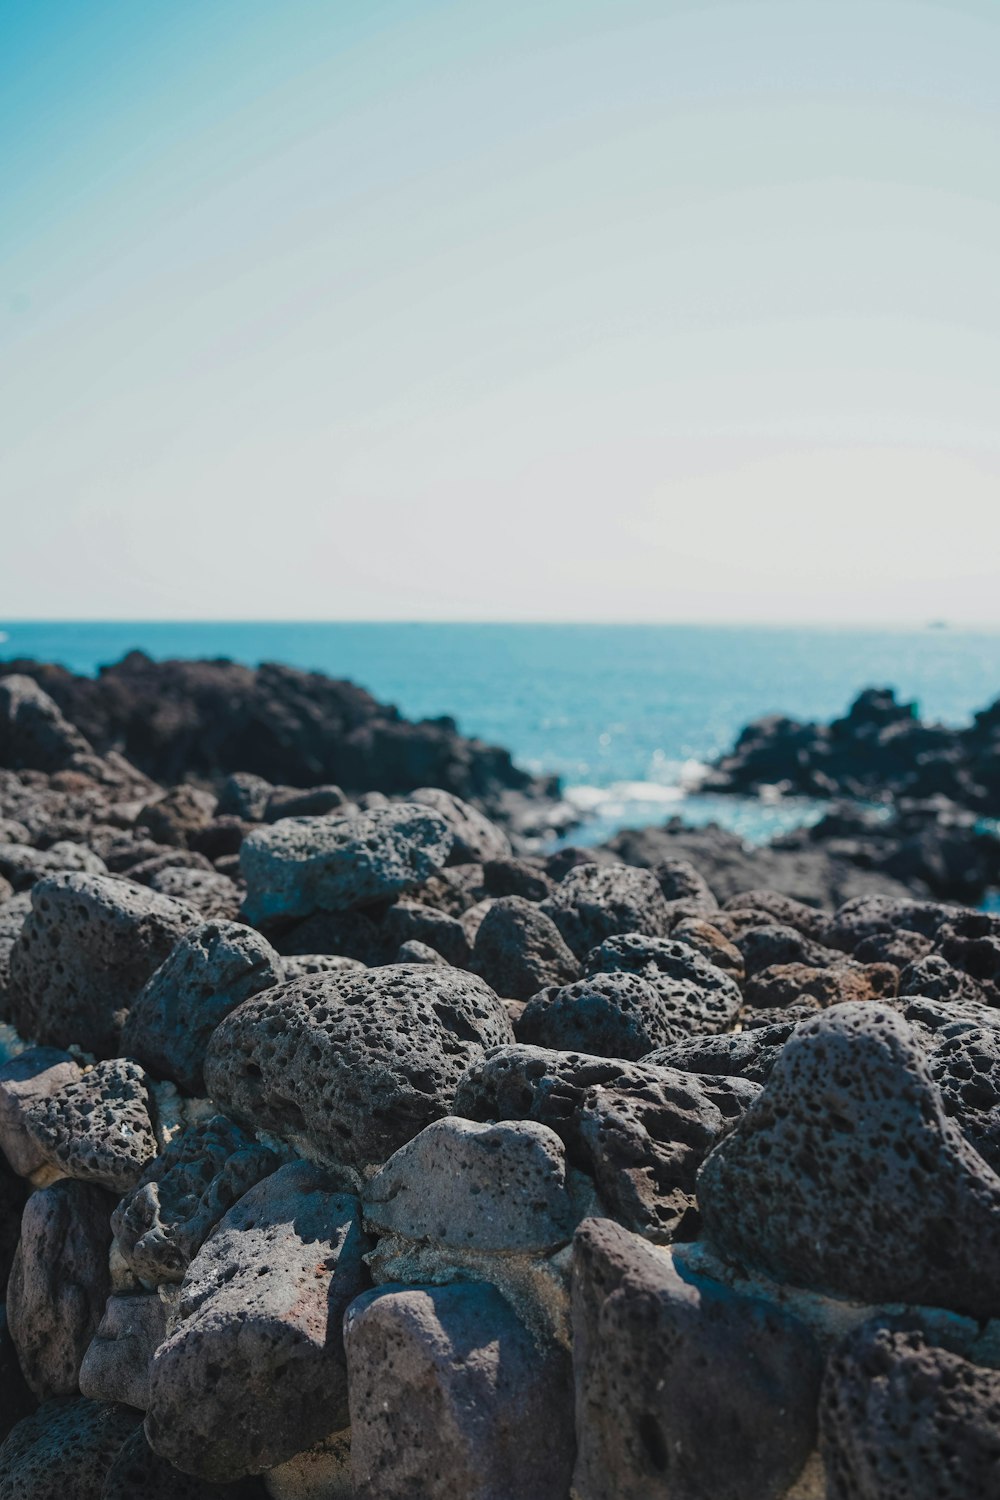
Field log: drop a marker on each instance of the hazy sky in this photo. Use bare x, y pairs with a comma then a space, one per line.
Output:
579, 309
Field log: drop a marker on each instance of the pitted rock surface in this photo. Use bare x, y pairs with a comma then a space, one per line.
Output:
162, 1224
697, 995
116, 1364
966, 1068
782, 985
869, 916
518, 949
705, 938
298, 965
684, 1390
354, 1066
903, 1420
214, 895
640, 1131
302, 865
686, 891
212, 969
63, 1450
899, 948
137, 1473
605, 1015
935, 978
98, 1127
59, 1283
410, 921
783, 910
749, 1054
475, 1187
22, 864
847, 1176
87, 947
476, 839
12, 914
254, 1370
763, 947
455, 1362
594, 902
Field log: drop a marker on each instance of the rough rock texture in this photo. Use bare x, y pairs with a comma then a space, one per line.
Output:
212, 969
594, 902
63, 1450
27, 1081
353, 1066
34, 735
412, 922
214, 895
137, 1473
875, 916
966, 1069
254, 1371
16, 1401
846, 1174
516, 877
641, 1131
605, 1015
475, 838
696, 996
12, 914
788, 984
518, 949
303, 865
475, 1187
161, 1225
59, 1283
683, 1390
455, 1362
705, 938
903, 1420
116, 1364
87, 947
783, 910
97, 1127
739, 1054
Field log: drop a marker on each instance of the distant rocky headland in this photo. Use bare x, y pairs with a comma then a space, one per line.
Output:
356, 1143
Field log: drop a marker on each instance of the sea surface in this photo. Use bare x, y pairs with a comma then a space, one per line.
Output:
625, 714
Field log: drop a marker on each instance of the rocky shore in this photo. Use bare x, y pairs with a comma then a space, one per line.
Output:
350, 1151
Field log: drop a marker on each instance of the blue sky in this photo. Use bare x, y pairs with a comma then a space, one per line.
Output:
593, 310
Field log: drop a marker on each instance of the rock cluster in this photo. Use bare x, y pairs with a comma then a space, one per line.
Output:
346, 1153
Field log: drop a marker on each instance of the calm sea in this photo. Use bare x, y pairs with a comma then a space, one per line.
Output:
624, 713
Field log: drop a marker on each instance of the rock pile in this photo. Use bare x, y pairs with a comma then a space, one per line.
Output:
346, 1153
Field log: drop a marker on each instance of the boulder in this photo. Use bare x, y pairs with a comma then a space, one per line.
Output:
64, 1449
749, 1054
594, 902
782, 985
412, 922
605, 1015
27, 1081
518, 949
16, 1401
34, 735
966, 1068
516, 877
214, 895
98, 1126
12, 914
476, 839
705, 938
696, 995
116, 1364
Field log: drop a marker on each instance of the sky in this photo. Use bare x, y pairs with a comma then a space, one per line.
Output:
577, 310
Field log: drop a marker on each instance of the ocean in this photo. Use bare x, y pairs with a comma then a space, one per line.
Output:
625, 714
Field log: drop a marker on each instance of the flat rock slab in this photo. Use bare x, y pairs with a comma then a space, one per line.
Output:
63, 1450
353, 1066
301, 865
475, 1187
254, 1370
903, 1420
683, 1390
452, 1399
848, 1177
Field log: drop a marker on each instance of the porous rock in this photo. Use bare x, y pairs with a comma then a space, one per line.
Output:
847, 1176
683, 1389
705, 938
868, 916
209, 971
783, 910
518, 949
87, 947
138, 1473
966, 1068
254, 1370
455, 1362
476, 839
12, 914
782, 985
97, 1126
116, 1364
64, 1449
763, 947
696, 995
302, 865
214, 895
353, 1066
749, 1054
411, 921
594, 902
935, 978
26, 1082
604, 1015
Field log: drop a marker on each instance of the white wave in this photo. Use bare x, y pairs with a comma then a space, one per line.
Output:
596, 799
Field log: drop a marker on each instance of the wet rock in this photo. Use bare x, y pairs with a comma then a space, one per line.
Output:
59, 1283
116, 1364
516, 877
139, 1474
683, 1389
476, 839
640, 1131
895, 1204
213, 968
214, 895
455, 1361
98, 1126
696, 995
594, 902
787, 984
254, 1370
353, 1066
706, 939
903, 1420
409, 921
518, 949
475, 1187
64, 1449
26, 1082
605, 1015
87, 947
162, 1224
303, 865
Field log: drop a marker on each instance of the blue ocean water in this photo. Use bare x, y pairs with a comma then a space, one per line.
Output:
623, 713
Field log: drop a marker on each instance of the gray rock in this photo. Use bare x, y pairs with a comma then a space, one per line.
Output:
254, 1370
451, 1396
161, 1225
139, 1474
244, 795
869, 916
683, 1389
87, 947
303, 865
299, 965
705, 938
419, 953
12, 914
640, 1131
966, 1069
783, 910
213, 968
320, 1473
739, 1054
16, 1401
98, 1126
34, 735
516, 877
696, 995
63, 1450
410, 921
518, 949
935, 978
177, 815
686, 892
903, 1420
26, 1082
594, 902
763, 947
606, 1015
353, 1066
311, 802
22, 865
116, 1364
476, 838
215, 896
847, 1176
59, 1283
475, 1187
